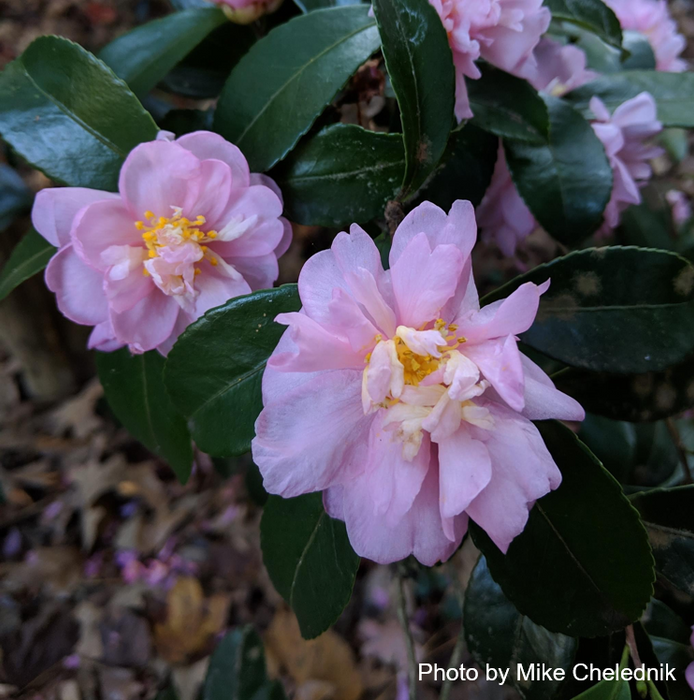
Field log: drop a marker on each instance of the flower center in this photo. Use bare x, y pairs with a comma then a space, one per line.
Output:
162, 232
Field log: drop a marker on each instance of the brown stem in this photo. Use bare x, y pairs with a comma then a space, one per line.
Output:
394, 215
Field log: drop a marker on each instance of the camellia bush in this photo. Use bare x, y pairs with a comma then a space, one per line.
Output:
398, 398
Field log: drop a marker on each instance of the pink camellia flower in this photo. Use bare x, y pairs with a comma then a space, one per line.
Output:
189, 229
503, 216
247, 11
402, 400
502, 32
624, 135
652, 19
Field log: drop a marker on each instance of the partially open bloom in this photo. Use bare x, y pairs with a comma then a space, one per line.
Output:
247, 11
625, 135
652, 19
502, 32
188, 229
402, 400
503, 216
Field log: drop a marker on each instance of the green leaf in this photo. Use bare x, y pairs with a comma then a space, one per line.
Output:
143, 56
508, 107
214, 371
134, 388
30, 255
466, 170
186, 121
343, 174
15, 196
277, 90
567, 181
636, 398
623, 310
310, 5
237, 670
188, 4
498, 635
669, 519
582, 566
593, 15
69, 116
309, 559
673, 93
610, 690
662, 621
420, 66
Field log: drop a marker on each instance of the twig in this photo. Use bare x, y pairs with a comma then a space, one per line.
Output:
675, 435
633, 649
409, 642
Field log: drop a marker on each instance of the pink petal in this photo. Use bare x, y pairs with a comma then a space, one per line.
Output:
510, 316
347, 318
103, 338
148, 324
157, 176
522, 471
365, 289
500, 363
543, 401
314, 436
423, 281
124, 294
465, 468
287, 236
55, 210
261, 272
689, 675
357, 250
419, 532
206, 145
78, 288
100, 226
458, 228
215, 290
315, 348
214, 192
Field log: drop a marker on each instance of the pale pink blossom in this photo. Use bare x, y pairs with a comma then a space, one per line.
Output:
625, 136
503, 216
404, 402
652, 19
502, 32
247, 11
189, 229
560, 68
680, 206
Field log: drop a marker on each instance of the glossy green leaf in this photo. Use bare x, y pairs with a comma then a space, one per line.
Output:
15, 196
237, 670
134, 389
593, 15
344, 174
673, 93
277, 90
69, 116
143, 56
466, 170
186, 121
498, 635
637, 53
309, 559
582, 566
214, 371
609, 689
310, 5
420, 66
189, 4
632, 397
622, 310
669, 519
508, 107
30, 255
567, 181
662, 621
